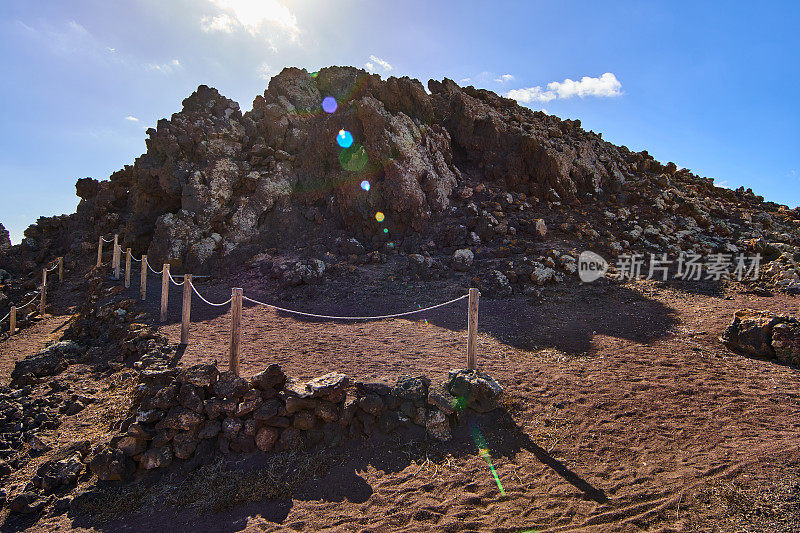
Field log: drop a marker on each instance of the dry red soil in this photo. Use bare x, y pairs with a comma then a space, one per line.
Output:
628, 414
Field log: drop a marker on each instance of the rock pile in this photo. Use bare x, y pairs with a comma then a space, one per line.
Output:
179, 412
764, 334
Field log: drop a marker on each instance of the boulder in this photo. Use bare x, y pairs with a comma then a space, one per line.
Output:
412, 388
462, 259
474, 389
110, 464
202, 375
266, 438
328, 386
764, 334
270, 378
440, 397
786, 342
372, 404
438, 426
191, 397
230, 386
27, 503
181, 419
184, 444
156, 458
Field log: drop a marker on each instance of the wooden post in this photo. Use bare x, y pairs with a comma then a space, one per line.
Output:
143, 281
187, 308
164, 292
127, 268
12, 320
115, 261
472, 328
44, 292
236, 330
100, 252
60, 269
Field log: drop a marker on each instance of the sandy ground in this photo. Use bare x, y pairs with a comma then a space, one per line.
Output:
628, 414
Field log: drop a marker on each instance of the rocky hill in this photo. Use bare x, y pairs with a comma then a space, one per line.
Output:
428, 173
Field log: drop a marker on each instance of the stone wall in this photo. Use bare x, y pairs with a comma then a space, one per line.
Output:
177, 410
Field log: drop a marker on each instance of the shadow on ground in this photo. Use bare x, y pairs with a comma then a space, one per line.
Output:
566, 317
330, 475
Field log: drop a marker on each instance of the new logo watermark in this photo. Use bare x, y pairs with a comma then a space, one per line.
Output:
591, 266
688, 266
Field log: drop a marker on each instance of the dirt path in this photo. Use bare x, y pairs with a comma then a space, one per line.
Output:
656, 415
630, 416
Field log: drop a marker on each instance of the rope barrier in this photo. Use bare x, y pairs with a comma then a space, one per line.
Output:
206, 301
378, 317
154, 271
53, 267
109, 240
21, 306
173, 279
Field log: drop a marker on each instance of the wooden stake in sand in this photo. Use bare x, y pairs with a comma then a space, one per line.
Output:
12, 320
187, 308
164, 292
60, 269
236, 330
143, 281
44, 292
472, 328
127, 268
115, 261
100, 252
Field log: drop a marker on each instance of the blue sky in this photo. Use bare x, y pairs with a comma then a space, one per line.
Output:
712, 87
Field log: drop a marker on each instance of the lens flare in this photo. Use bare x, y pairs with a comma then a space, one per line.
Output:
345, 139
314, 74
365, 185
483, 451
329, 104
354, 158
379, 216
386, 230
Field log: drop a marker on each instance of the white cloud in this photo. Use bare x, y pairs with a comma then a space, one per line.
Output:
131, 118
464, 80
252, 16
606, 86
375, 63
265, 72
166, 68
505, 78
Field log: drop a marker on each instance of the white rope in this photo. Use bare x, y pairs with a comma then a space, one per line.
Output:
109, 240
206, 301
134, 259
173, 279
354, 317
154, 271
53, 267
22, 306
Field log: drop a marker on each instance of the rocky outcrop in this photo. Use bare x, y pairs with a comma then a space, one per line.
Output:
428, 175
764, 334
5, 239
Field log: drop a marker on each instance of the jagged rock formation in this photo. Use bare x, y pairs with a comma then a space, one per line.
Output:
449, 168
5, 239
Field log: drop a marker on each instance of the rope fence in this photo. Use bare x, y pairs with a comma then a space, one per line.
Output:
236, 301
